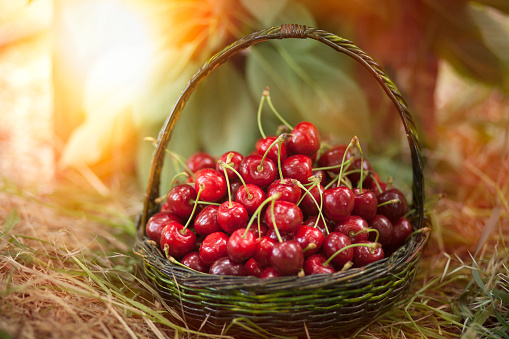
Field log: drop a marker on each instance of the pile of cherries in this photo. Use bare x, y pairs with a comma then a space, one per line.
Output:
294, 206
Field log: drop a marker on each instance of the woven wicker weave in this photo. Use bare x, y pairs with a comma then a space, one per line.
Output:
317, 305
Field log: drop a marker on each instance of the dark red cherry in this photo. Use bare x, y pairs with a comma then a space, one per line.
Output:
194, 261
225, 266
288, 190
234, 187
315, 264
363, 256
393, 211
401, 230
253, 268
271, 233
270, 272
311, 201
157, 222
232, 216
206, 221
200, 160
299, 167
259, 230
352, 227
180, 200
356, 176
263, 250
333, 157
236, 159
263, 144
310, 239
241, 245
305, 139
365, 203
213, 247
384, 227
335, 242
285, 216
257, 197
287, 257
322, 175
213, 182
311, 221
253, 172
338, 203
177, 241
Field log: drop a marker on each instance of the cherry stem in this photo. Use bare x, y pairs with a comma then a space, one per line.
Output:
424, 230
259, 113
359, 185
276, 113
280, 139
311, 246
205, 202
376, 182
202, 187
176, 176
326, 168
320, 206
273, 217
353, 142
259, 210
373, 245
389, 202
366, 230
347, 266
222, 164
228, 159
173, 155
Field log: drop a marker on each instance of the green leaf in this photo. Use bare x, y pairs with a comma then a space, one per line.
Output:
265, 11
305, 86
12, 220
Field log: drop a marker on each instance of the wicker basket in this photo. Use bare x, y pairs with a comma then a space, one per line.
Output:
315, 305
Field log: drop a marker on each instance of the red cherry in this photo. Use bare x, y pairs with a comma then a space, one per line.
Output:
263, 250
206, 221
356, 176
257, 197
310, 239
287, 216
315, 264
231, 216
393, 211
305, 139
351, 226
200, 160
333, 157
402, 229
338, 203
236, 159
224, 266
311, 221
363, 255
309, 202
213, 182
299, 167
179, 200
270, 272
194, 261
286, 188
335, 242
253, 268
271, 233
241, 245
177, 241
384, 227
156, 224
234, 187
263, 144
365, 203
213, 247
287, 257
254, 172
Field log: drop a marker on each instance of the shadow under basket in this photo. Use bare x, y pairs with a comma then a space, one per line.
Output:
314, 305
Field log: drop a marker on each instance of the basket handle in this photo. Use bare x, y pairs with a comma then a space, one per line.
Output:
287, 31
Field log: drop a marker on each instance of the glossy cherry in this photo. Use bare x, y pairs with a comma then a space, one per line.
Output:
311, 201
213, 182
338, 203
177, 241
157, 222
205, 221
263, 144
365, 203
384, 227
395, 210
287, 257
305, 139
335, 242
333, 157
232, 216
241, 245
225, 266
270, 272
315, 264
234, 161
263, 250
180, 200
353, 226
285, 216
194, 261
200, 160
252, 200
213, 247
299, 167
287, 188
402, 229
356, 176
253, 268
310, 239
364, 255
254, 172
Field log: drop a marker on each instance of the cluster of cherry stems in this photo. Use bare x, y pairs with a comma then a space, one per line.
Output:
295, 206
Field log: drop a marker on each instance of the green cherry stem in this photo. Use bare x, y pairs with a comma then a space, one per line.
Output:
174, 156
366, 230
388, 202
374, 245
258, 211
352, 143
222, 164
228, 159
202, 187
316, 182
279, 140
265, 93
273, 217
359, 185
176, 177
274, 110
